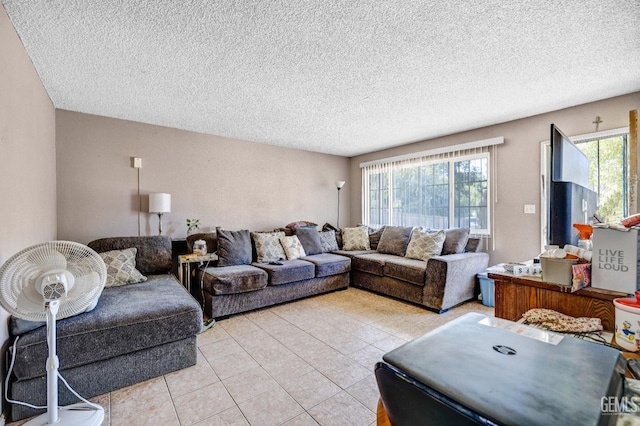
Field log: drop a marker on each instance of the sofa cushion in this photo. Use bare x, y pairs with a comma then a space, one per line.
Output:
353, 253
153, 255
121, 267
372, 263
327, 264
127, 319
234, 247
328, 241
455, 241
394, 240
290, 271
233, 279
424, 245
402, 268
268, 247
310, 240
292, 247
355, 238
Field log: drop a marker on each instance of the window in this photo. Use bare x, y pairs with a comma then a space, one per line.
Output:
608, 174
437, 192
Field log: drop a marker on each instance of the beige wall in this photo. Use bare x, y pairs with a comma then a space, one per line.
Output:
27, 155
517, 235
229, 183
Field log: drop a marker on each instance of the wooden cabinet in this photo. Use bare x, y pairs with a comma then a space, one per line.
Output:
516, 295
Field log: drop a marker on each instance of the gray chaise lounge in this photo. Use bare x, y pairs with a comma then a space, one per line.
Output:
136, 332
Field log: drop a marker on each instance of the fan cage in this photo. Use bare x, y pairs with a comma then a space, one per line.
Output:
18, 276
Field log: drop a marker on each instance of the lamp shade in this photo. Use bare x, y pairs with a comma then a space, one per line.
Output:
159, 203
340, 184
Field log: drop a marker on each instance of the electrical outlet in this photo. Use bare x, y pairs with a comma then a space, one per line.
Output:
530, 209
136, 162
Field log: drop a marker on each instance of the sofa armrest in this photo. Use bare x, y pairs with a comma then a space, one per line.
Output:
451, 279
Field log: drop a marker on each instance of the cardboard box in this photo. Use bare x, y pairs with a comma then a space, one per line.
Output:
615, 259
558, 271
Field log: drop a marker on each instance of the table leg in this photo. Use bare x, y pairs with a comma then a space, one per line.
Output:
189, 277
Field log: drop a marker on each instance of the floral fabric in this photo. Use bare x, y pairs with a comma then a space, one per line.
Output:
556, 321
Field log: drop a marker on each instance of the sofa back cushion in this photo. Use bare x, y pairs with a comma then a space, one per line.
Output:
234, 247
310, 239
153, 255
394, 240
455, 241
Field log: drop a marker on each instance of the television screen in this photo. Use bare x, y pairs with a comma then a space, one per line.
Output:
570, 199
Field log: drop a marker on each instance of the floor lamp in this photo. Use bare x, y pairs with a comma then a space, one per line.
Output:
159, 203
339, 185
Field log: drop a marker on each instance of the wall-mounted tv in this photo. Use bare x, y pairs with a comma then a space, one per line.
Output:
570, 199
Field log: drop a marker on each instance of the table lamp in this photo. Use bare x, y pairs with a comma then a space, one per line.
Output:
159, 203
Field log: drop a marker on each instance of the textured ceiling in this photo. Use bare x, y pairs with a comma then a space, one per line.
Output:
339, 77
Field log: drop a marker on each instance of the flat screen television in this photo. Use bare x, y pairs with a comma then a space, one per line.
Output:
570, 199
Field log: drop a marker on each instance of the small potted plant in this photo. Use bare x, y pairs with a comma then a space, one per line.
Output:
192, 226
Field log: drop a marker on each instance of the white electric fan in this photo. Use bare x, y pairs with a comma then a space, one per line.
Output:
57, 279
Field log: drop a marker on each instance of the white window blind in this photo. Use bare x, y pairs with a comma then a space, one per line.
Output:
438, 189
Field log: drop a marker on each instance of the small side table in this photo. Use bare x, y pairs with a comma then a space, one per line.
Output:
184, 265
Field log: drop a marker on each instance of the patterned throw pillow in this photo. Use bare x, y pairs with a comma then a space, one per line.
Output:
268, 247
424, 245
292, 247
121, 267
328, 241
355, 238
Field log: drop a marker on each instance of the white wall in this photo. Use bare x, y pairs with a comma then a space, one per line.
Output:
516, 235
27, 155
229, 183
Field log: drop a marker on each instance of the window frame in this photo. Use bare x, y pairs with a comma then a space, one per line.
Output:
451, 160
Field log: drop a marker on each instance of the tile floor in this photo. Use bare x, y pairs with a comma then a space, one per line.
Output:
308, 362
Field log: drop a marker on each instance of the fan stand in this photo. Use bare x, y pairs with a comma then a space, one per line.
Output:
75, 414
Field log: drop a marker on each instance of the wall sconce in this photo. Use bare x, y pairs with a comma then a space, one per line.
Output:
159, 203
339, 185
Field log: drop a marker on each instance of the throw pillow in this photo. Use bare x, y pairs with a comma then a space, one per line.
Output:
394, 240
328, 241
121, 267
374, 237
355, 238
329, 227
455, 241
424, 245
268, 247
292, 247
310, 240
473, 245
234, 247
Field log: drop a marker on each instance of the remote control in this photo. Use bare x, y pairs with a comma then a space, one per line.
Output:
633, 364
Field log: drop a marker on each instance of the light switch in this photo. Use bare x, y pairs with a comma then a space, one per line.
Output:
136, 162
530, 209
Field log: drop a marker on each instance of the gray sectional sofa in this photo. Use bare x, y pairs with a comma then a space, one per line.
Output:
253, 282
438, 283
136, 332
